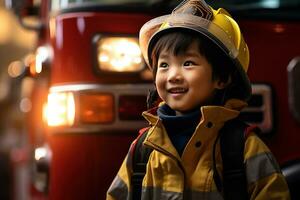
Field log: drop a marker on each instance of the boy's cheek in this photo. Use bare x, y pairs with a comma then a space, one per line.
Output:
159, 83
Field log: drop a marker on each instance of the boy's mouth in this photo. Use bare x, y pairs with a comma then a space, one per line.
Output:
177, 90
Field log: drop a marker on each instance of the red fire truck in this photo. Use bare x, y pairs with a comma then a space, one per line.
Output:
90, 84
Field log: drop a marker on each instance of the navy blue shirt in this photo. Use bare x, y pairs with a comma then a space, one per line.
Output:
179, 128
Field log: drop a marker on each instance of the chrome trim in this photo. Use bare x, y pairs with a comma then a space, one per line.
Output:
142, 89
42, 169
293, 70
267, 123
291, 171
116, 91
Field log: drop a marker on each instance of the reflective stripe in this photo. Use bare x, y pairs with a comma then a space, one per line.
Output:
118, 189
261, 166
129, 160
150, 193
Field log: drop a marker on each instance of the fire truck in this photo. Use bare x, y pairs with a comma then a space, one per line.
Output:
88, 86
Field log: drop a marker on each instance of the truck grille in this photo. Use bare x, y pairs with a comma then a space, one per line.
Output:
260, 109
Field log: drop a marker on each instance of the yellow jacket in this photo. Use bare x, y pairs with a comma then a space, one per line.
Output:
169, 176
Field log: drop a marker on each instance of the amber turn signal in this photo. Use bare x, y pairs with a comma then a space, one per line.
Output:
96, 108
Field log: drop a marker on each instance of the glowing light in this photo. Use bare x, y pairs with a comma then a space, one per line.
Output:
52, 27
25, 105
279, 28
60, 110
104, 58
42, 54
96, 108
15, 69
40, 152
270, 3
120, 54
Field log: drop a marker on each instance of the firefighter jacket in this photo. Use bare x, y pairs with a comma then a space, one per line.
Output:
190, 176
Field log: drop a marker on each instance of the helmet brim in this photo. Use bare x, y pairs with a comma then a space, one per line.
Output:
155, 28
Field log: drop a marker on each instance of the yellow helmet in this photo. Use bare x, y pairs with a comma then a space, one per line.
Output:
216, 25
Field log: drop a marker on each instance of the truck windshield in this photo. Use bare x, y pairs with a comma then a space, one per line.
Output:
274, 8
61, 4
254, 4
261, 9
65, 4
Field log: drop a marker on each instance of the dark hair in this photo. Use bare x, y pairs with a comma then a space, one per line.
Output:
178, 41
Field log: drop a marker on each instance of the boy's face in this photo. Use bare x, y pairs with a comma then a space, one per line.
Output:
185, 81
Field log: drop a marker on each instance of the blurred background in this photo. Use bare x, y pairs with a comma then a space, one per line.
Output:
15, 43
73, 85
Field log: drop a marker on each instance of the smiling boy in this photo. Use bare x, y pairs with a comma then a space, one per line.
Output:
199, 61
184, 82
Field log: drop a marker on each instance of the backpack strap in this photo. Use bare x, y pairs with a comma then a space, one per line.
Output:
140, 156
232, 143
232, 137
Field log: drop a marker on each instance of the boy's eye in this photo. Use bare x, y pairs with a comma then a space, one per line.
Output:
163, 65
188, 63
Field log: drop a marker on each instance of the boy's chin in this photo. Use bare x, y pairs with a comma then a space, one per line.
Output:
180, 110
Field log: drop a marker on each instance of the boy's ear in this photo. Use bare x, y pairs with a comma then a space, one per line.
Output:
221, 84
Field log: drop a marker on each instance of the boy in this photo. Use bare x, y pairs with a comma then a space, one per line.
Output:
199, 61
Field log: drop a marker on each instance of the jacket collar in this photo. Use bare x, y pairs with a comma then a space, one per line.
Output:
221, 114
213, 114
230, 110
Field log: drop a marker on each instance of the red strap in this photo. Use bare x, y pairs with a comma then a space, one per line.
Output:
141, 131
251, 129
153, 110
133, 145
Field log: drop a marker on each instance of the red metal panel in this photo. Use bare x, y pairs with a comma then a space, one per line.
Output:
83, 166
272, 46
73, 55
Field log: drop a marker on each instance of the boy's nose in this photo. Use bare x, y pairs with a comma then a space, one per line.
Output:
175, 76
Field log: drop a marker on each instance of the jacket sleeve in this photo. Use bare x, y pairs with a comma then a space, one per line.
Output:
120, 187
264, 177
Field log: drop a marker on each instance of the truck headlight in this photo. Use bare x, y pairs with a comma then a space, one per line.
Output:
70, 108
119, 54
60, 109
